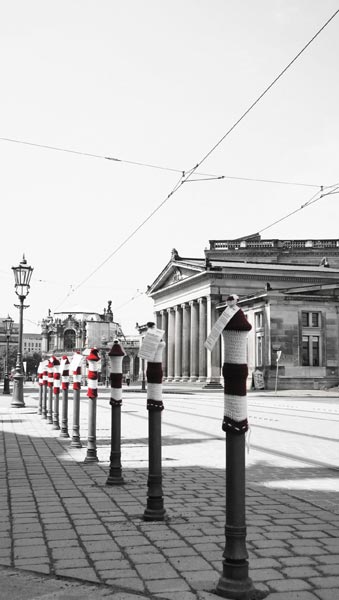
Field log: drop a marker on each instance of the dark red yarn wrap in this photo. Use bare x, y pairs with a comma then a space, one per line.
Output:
235, 377
154, 372
116, 380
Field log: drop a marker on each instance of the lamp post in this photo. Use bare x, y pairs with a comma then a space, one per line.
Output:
104, 365
8, 329
22, 276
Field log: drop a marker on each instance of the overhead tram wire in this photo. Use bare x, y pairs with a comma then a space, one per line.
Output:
152, 166
264, 93
312, 200
187, 175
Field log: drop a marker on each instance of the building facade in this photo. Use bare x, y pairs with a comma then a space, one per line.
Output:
68, 332
282, 285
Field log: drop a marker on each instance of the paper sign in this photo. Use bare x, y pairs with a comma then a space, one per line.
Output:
150, 343
219, 326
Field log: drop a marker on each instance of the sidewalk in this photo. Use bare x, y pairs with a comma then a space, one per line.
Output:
66, 535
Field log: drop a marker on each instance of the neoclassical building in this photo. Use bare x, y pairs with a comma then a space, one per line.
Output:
289, 290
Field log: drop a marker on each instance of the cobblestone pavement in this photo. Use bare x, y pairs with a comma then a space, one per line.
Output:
66, 535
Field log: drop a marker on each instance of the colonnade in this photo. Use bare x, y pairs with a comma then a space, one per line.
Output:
186, 327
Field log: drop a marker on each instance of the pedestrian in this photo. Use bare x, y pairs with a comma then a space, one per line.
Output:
128, 378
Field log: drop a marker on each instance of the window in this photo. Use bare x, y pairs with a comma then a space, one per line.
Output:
311, 351
310, 319
311, 339
259, 339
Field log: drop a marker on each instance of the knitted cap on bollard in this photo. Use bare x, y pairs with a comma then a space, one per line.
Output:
92, 373
56, 374
65, 373
116, 355
235, 371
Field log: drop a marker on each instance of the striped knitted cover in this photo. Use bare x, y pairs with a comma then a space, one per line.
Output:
235, 373
45, 375
50, 367
41, 374
116, 355
77, 377
154, 375
65, 373
56, 375
92, 373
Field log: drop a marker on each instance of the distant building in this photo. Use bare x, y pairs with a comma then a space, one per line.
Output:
289, 290
31, 343
71, 331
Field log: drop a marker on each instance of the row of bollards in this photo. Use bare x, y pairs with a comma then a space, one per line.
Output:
234, 582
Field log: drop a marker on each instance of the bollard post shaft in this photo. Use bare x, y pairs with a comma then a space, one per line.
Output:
76, 442
64, 404
154, 510
235, 582
92, 379
116, 355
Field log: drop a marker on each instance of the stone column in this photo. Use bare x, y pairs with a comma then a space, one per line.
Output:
178, 343
164, 326
186, 325
131, 367
171, 346
202, 339
194, 354
214, 357
158, 319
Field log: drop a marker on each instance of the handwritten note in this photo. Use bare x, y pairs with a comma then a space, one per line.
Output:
219, 326
150, 343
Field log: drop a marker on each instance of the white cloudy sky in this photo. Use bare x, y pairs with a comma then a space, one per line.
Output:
157, 82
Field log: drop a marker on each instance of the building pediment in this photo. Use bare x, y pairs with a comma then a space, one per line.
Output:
175, 272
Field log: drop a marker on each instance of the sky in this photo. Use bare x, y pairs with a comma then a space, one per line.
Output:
159, 83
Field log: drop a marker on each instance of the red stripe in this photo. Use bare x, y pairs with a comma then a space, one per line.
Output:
154, 372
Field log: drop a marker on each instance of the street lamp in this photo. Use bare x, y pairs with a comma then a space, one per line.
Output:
8, 330
22, 276
104, 365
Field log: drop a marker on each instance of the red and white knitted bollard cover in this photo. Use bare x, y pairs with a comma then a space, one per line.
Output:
116, 355
154, 376
92, 373
56, 375
65, 373
50, 371
41, 373
45, 373
77, 376
235, 371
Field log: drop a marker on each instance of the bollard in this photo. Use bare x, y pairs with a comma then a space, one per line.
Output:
76, 370
116, 355
154, 510
41, 383
44, 388
50, 391
234, 581
56, 391
92, 392
64, 369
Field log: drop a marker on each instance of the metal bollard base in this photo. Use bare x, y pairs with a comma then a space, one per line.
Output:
76, 443
64, 434
115, 480
155, 510
238, 589
91, 457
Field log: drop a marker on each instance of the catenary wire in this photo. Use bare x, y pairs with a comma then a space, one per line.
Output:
153, 166
305, 205
187, 175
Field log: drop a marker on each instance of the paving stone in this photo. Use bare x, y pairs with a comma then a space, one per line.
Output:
167, 585
159, 571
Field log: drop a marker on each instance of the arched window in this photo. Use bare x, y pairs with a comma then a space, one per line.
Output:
69, 339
